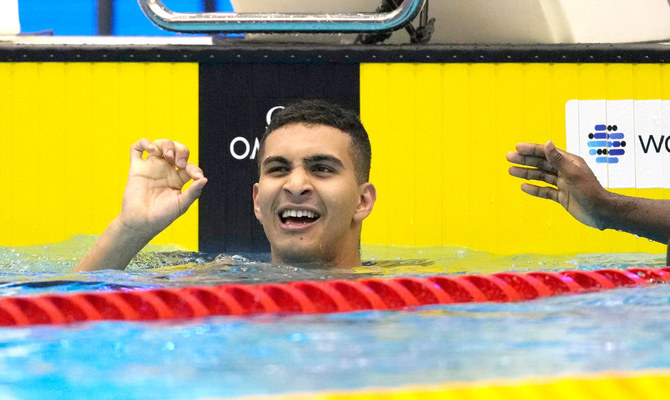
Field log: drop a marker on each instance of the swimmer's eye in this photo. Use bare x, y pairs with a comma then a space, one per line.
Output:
277, 170
323, 170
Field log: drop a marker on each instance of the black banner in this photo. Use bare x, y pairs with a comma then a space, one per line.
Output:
235, 101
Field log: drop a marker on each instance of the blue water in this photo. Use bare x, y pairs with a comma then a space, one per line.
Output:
623, 330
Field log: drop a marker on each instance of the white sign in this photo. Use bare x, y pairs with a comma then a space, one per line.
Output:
625, 142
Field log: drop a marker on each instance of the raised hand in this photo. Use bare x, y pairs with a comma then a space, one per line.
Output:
152, 200
575, 186
153, 197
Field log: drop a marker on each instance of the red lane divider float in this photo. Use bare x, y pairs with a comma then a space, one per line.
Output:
313, 296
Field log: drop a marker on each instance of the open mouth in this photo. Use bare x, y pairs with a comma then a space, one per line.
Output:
298, 217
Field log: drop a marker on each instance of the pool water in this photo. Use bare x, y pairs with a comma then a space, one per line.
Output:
625, 329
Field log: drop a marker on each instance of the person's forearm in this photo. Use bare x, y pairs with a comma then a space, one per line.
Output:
114, 249
648, 218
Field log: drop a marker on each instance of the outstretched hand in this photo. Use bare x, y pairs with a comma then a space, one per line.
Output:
575, 186
153, 197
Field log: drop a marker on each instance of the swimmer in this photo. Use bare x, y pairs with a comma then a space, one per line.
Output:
311, 197
576, 188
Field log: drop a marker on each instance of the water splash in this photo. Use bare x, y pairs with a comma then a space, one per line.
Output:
48, 268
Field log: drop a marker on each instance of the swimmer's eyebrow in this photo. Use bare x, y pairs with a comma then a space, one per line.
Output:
323, 157
276, 159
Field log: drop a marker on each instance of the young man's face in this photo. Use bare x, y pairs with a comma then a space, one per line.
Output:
307, 197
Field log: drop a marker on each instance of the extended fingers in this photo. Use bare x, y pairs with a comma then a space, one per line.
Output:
540, 191
533, 174
531, 161
555, 156
530, 149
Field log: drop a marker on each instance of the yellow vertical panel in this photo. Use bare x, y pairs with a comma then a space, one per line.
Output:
401, 152
181, 124
158, 85
22, 141
80, 141
6, 126
185, 90
511, 128
523, 113
70, 135
551, 220
403, 211
619, 83
481, 170
374, 108
428, 155
591, 80
665, 81
50, 155
647, 81
563, 86
539, 217
132, 107
456, 155
112, 141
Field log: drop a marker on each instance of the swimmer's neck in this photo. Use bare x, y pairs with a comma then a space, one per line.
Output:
344, 263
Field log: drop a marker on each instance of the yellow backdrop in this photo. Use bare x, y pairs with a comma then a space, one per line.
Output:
65, 135
440, 133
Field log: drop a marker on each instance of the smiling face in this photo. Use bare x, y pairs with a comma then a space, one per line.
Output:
308, 199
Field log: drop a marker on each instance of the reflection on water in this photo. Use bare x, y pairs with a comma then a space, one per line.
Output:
620, 330
47, 268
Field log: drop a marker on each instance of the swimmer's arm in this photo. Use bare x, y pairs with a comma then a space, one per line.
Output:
643, 217
576, 188
114, 249
154, 197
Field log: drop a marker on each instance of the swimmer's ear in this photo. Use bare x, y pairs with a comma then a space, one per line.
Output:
366, 200
257, 208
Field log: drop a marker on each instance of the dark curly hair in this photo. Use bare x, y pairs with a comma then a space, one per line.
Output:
322, 112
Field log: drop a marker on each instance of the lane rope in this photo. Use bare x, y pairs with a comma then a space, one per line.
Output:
313, 296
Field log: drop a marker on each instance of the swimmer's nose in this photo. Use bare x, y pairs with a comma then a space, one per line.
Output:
298, 183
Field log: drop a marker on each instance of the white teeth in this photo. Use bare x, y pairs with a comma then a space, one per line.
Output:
298, 214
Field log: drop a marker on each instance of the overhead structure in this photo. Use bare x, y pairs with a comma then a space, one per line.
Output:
233, 22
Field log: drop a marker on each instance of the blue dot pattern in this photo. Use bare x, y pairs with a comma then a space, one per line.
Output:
606, 144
